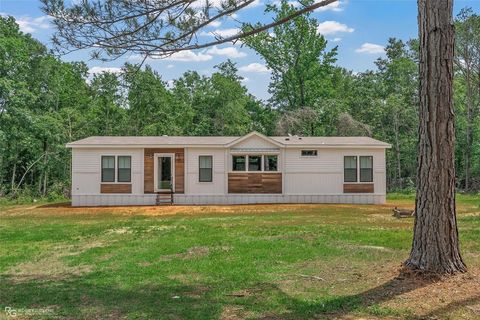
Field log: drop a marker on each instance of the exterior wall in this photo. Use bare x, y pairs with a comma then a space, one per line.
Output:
324, 174
255, 182
192, 185
115, 188
254, 142
183, 199
86, 170
304, 179
149, 175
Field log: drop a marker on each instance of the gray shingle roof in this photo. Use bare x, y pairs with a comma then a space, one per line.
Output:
219, 141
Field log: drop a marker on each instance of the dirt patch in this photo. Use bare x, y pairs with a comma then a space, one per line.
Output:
65, 209
191, 253
233, 312
381, 286
52, 266
455, 297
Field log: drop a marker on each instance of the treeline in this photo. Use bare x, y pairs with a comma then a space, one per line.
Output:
46, 102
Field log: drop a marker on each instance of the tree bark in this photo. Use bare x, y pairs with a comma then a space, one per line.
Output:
435, 245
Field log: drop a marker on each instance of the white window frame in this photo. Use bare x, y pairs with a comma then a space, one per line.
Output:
155, 170
262, 164
115, 156
206, 155
359, 169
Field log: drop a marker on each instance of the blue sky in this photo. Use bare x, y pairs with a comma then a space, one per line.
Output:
360, 29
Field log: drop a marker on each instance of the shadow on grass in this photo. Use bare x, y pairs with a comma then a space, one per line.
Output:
78, 299
83, 298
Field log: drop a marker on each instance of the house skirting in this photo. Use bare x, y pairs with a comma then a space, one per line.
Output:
149, 199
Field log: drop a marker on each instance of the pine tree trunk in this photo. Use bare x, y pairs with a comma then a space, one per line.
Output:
435, 242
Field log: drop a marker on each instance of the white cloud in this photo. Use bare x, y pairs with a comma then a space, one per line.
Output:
218, 3
230, 52
336, 39
245, 79
370, 48
333, 27
334, 6
97, 70
189, 55
185, 56
31, 25
224, 33
254, 68
170, 66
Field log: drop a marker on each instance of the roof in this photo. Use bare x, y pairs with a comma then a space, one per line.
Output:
331, 141
219, 141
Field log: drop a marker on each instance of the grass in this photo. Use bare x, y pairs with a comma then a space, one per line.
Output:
236, 262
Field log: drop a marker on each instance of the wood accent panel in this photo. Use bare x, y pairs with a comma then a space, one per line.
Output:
358, 188
148, 168
115, 188
247, 182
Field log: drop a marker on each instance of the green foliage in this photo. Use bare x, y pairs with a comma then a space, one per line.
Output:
45, 102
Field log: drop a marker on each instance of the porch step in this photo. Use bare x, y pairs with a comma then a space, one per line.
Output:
164, 198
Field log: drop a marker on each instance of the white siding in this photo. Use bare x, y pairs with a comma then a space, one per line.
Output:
121, 200
305, 179
86, 169
254, 142
323, 174
193, 186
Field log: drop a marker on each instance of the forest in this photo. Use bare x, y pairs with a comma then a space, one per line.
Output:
46, 102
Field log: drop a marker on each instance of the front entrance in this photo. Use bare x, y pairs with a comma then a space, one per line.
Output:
164, 172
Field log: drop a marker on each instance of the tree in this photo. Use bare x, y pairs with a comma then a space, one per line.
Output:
398, 73
297, 57
435, 245
152, 108
150, 28
220, 104
467, 62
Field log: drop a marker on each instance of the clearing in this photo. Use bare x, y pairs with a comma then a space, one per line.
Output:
226, 262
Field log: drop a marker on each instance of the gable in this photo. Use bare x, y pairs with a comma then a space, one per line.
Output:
254, 142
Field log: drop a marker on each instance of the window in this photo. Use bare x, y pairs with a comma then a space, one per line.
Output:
366, 169
309, 153
238, 163
254, 163
270, 163
108, 169
350, 169
124, 169
205, 168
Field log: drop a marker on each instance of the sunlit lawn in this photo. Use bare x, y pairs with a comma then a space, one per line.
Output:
237, 262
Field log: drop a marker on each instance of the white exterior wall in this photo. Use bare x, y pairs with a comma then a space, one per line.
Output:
305, 179
254, 142
323, 174
86, 169
192, 185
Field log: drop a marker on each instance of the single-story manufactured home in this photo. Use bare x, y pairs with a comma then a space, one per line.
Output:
227, 170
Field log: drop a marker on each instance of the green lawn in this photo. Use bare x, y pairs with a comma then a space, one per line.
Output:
237, 262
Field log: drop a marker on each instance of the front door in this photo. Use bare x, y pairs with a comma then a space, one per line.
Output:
164, 172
